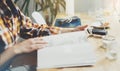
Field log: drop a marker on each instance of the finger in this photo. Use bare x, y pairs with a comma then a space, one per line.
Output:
38, 38
38, 41
41, 42
82, 27
33, 48
38, 46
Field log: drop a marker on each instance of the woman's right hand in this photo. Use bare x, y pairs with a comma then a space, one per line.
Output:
29, 45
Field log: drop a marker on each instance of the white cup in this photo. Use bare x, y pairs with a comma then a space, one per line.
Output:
109, 45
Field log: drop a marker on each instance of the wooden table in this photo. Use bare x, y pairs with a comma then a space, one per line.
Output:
103, 64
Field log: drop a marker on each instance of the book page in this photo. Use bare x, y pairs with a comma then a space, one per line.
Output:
66, 38
66, 50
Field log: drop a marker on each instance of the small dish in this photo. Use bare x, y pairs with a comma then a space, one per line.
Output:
99, 25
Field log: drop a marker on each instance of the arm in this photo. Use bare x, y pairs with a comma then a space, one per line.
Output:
64, 30
30, 29
78, 28
26, 46
6, 55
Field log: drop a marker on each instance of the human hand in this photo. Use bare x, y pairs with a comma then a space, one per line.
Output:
80, 28
29, 45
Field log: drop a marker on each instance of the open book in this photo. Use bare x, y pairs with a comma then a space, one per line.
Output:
66, 50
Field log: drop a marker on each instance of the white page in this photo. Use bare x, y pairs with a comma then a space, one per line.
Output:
66, 50
66, 38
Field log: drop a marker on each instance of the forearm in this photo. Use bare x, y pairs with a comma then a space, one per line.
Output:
7, 55
78, 28
64, 30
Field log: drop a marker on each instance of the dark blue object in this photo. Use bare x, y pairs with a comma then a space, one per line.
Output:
68, 23
98, 31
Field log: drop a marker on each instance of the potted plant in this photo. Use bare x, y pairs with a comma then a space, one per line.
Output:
49, 8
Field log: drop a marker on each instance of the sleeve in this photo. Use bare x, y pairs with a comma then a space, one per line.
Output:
30, 29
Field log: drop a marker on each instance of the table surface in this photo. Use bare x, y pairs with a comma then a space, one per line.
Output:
102, 64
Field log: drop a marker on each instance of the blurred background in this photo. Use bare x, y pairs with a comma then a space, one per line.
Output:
50, 8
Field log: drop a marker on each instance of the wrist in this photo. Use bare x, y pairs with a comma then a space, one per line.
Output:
73, 29
16, 50
12, 51
60, 31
